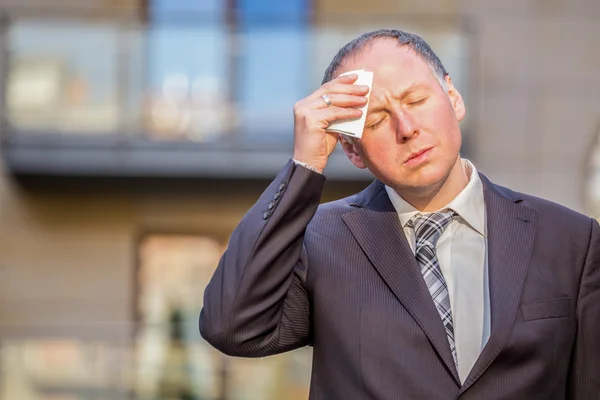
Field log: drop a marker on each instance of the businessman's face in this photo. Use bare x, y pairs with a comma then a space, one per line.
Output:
412, 137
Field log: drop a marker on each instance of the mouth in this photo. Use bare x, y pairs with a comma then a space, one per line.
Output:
418, 157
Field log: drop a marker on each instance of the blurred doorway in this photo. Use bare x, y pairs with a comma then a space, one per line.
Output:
172, 360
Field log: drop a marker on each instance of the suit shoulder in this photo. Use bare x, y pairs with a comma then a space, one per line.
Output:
551, 207
336, 207
327, 222
551, 210
329, 213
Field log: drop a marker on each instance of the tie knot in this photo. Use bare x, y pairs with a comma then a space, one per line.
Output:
429, 227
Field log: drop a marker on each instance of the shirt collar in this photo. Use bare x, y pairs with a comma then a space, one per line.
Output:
469, 204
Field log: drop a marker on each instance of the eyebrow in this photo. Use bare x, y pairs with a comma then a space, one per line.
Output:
407, 92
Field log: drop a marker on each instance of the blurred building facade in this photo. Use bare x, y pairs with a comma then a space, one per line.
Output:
135, 135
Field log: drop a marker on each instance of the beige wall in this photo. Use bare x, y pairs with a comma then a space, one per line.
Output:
107, 6
67, 261
384, 8
539, 91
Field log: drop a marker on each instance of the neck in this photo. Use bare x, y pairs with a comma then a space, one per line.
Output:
437, 197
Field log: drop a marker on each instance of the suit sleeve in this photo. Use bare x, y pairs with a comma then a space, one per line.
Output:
256, 303
585, 368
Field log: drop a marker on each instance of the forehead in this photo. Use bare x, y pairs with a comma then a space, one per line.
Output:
394, 66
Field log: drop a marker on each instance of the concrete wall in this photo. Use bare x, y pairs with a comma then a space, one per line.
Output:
68, 259
539, 91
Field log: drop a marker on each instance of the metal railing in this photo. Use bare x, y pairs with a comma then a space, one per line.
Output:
148, 364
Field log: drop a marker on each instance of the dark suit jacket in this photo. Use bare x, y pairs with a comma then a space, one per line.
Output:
342, 278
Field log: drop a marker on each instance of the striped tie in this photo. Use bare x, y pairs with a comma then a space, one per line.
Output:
428, 229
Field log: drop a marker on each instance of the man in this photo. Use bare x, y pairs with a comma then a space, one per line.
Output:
433, 283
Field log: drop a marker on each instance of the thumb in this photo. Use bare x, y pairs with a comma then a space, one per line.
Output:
332, 139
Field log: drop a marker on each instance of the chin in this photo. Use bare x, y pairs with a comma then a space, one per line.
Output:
427, 177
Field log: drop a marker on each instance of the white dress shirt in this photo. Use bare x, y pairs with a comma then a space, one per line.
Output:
462, 254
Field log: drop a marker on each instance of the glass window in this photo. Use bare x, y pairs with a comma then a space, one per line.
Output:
188, 70
187, 82
188, 75
63, 76
272, 79
272, 67
194, 9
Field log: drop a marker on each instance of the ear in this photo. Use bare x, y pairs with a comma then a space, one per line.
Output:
352, 151
455, 99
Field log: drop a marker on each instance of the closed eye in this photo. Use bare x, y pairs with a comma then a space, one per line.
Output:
417, 102
376, 124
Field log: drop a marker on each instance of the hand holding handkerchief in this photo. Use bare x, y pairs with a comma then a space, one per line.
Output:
355, 127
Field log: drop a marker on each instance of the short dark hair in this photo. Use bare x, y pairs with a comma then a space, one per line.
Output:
415, 42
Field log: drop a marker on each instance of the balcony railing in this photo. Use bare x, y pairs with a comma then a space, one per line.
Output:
200, 89
123, 361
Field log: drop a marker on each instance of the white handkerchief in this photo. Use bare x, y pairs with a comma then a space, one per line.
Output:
355, 127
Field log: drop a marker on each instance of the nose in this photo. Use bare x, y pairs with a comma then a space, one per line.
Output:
406, 126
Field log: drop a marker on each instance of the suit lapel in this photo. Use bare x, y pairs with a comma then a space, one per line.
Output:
511, 232
377, 229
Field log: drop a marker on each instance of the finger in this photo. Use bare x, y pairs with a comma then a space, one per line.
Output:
333, 113
339, 100
348, 78
341, 88
345, 79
